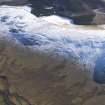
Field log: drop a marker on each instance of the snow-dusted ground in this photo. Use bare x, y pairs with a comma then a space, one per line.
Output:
56, 35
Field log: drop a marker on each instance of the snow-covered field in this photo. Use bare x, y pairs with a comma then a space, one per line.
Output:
55, 35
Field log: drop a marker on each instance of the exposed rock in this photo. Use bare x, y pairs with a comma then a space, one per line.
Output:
82, 12
8, 98
100, 16
13, 2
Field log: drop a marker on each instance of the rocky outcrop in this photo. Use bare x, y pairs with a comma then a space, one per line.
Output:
13, 2
8, 98
81, 11
100, 16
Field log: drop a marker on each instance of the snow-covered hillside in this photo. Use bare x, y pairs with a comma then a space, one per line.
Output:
57, 36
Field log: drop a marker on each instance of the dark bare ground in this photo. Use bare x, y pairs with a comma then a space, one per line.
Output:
44, 80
